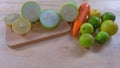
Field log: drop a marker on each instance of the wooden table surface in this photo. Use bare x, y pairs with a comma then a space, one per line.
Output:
60, 52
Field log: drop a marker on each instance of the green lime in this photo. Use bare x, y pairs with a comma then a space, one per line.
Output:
86, 40
95, 21
102, 37
108, 16
86, 28
109, 26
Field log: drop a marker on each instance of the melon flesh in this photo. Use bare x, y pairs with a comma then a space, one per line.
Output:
69, 11
31, 11
49, 19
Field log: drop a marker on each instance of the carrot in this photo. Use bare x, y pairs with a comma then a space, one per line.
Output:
83, 13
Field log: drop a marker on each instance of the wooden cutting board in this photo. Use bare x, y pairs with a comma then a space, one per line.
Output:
37, 34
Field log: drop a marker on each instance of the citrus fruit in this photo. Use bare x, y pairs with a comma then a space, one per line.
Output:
10, 18
102, 37
95, 21
49, 18
95, 12
31, 11
86, 40
21, 26
109, 26
86, 28
69, 12
108, 16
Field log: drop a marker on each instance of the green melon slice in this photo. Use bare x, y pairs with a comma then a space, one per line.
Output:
10, 18
49, 18
69, 11
31, 11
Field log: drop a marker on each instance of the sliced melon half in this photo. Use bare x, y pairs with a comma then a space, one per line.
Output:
31, 11
49, 18
69, 11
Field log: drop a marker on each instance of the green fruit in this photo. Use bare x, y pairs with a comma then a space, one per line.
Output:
49, 19
86, 28
95, 21
86, 40
108, 16
95, 12
69, 12
31, 11
109, 26
102, 37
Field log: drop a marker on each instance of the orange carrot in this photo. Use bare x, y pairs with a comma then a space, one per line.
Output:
83, 13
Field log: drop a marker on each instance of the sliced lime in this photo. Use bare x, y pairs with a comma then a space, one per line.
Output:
10, 18
21, 26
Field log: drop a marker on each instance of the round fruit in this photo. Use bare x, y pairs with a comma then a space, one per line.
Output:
95, 12
10, 18
108, 16
110, 27
49, 19
31, 11
86, 28
95, 21
21, 26
69, 12
102, 37
86, 40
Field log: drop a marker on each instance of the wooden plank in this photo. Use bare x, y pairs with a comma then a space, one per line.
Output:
37, 34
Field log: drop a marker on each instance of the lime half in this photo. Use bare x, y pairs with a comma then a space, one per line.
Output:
10, 18
21, 26
69, 12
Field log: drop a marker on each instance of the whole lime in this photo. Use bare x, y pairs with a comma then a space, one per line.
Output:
86, 40
95, 21
102, 37
108, 16
95, 12
109, 26
86, 28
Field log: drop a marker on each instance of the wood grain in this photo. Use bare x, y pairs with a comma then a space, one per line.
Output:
64, 51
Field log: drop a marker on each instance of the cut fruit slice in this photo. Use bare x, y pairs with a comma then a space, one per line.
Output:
10, 18
69, 11
31, 11
49, 19
21, 26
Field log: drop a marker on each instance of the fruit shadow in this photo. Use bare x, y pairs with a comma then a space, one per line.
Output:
98, 47
76, 51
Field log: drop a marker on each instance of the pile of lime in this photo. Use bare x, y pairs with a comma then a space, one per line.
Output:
99, 27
